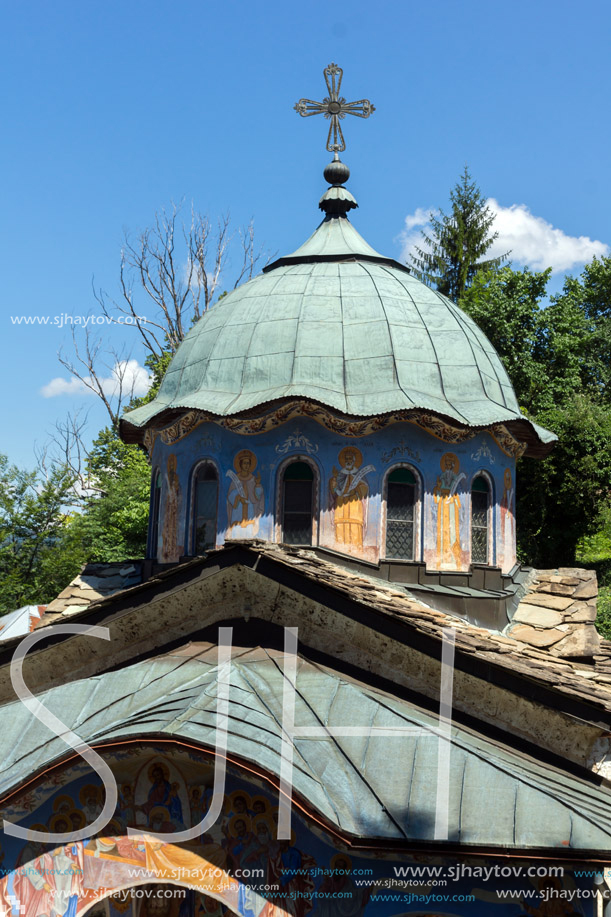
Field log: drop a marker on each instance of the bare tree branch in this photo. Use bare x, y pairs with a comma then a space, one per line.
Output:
66, 448
180, 288
115, 390
251, 257
169, 276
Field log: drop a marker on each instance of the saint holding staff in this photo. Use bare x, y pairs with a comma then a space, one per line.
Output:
449, 551
245, 500
349, 492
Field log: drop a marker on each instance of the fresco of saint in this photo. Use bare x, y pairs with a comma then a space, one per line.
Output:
126, 805
241, 842
508, 524
63, 804
245, 499
163, 808
340, 897
291, 871
196, 807
91, 802
32, 888
267, 848
68, 879
349, 491
449, 552
170, 549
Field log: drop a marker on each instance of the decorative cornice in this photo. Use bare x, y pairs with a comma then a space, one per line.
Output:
345, 426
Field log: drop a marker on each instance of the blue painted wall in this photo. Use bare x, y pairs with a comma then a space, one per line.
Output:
348, 470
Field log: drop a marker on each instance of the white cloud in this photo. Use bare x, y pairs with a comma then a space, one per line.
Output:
411, 235
419, 218
532, 241
59, 386
536, 243
125, 375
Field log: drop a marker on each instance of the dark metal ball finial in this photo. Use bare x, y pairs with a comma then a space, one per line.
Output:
337, 172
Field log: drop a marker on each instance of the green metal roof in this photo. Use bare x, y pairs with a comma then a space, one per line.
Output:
376, 787
335, 237
338, 323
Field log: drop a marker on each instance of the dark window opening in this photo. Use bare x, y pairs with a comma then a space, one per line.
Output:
480, 506
205, 504
297, 503
400, 514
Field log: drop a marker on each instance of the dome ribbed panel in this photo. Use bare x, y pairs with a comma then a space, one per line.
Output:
360, 337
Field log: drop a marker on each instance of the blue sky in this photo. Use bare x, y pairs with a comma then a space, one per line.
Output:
111, 111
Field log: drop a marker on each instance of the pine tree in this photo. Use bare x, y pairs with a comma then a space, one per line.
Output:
453, 250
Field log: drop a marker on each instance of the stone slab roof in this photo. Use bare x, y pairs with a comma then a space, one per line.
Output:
520, 650
95, 581
590, 678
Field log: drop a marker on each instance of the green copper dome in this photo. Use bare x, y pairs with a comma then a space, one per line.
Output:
339, 324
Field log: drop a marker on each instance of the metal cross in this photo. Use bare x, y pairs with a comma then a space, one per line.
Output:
335, 108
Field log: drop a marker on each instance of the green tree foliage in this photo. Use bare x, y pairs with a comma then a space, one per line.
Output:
506, 305
595, 551
113, 525
453, 252
39, 550
603, 617
44, 542
560, 498
556, 354
591, 293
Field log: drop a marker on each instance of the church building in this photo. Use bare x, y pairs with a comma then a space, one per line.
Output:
329, 689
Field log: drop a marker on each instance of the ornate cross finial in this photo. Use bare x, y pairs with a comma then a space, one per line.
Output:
335, 108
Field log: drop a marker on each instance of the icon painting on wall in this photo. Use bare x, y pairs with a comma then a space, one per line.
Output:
245, 499
447, 501
171, 550
349, 493
238, 866
508, 523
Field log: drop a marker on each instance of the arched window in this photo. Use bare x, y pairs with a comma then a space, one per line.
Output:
155, 510
205, 503
480, 512
400, 514
297, 503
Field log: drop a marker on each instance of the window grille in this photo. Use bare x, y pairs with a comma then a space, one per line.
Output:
400, 514
480, 510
